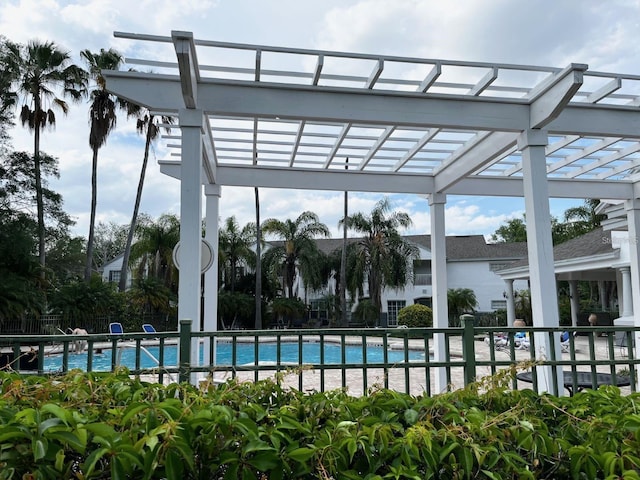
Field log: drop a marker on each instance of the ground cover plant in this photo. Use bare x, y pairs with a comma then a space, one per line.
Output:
98, 426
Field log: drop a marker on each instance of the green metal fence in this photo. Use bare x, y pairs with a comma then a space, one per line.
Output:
397, 358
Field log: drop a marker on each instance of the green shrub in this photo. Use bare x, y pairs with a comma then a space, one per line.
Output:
91, 426
415, 315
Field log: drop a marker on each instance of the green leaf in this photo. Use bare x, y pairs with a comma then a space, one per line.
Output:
90, 463
265, 461
444, 453
257, 445
133, 410
39, 449
47, 424
57, 411
302, 454
173, 465
60, 460
8, 434
102, 429
70, 439
352, 448
411, 416
491, 475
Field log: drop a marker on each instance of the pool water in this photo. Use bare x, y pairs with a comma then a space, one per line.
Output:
245, 354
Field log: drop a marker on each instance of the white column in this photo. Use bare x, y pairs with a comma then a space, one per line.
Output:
212, 198
439, 283
511, 304
633, 222
627, 296
602, 294
189, 285
544, 299
574, 301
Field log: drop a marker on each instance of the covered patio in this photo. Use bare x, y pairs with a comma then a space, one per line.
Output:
600, 257
261, 116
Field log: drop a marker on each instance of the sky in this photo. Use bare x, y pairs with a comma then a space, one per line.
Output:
555, 33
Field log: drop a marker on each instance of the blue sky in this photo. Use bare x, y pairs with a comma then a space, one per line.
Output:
605, 35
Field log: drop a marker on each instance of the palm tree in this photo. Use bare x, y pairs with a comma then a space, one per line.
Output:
459, 301
382, 256
584, 218
299, 247
153, 251
148, 125
8, 74
235, 248
102, 119
42, 68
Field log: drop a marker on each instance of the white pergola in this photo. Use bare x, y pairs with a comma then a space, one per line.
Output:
261, 116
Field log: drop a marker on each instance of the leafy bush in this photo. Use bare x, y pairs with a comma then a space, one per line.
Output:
90, 426
416, 315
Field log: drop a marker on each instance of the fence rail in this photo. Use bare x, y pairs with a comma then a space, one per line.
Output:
402, 359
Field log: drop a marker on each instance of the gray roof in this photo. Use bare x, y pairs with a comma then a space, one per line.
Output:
459, 248
592, 243
474, 247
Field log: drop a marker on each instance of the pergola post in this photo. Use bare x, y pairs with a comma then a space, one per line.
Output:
627, 295
189, 285
511, 305
544, 300
212, 199
633, 222
439, 283
574, 298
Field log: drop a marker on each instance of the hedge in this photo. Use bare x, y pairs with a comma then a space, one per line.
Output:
91, 425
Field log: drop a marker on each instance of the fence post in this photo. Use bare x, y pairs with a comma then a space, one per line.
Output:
468, 348
185, 351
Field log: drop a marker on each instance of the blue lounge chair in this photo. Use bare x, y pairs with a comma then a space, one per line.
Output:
115, 328
148, 328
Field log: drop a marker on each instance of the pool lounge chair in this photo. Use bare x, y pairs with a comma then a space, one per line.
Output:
115, 328
148, 328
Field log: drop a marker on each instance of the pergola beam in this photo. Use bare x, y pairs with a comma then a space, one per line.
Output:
402, 109
188, 66
480, 151
341, 180
554, 96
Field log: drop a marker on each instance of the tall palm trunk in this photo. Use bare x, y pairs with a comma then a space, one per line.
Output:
258, 319
343, 259
134, 218
39, 201
94, 200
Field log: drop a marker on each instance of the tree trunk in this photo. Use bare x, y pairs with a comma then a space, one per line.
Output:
343, 258
258, 292
39, 200
92, 221
343, 266
122, 286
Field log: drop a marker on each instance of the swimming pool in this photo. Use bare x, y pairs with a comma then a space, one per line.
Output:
245, 354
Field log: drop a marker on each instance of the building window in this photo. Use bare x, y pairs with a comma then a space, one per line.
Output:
498, 304
114, 276
393, 307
